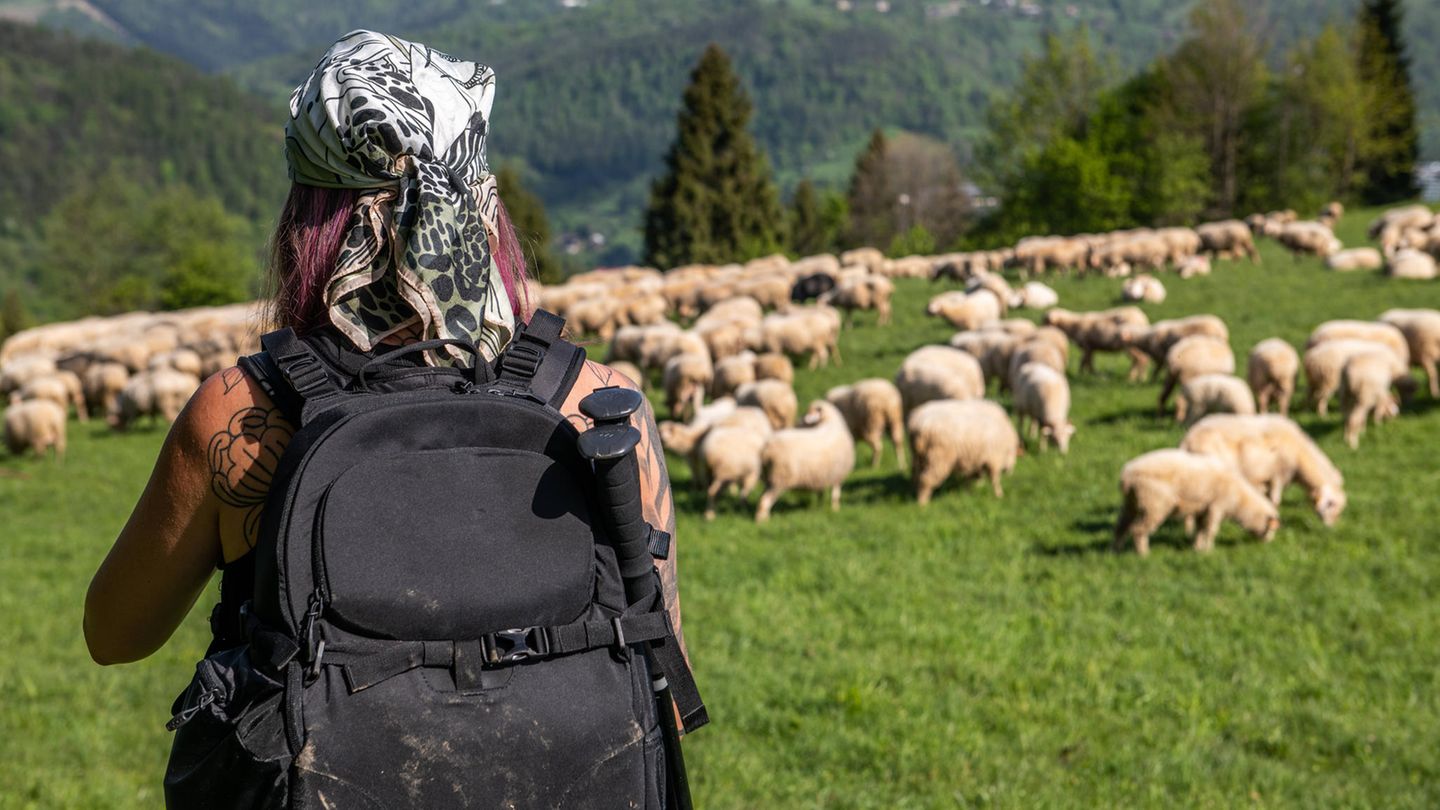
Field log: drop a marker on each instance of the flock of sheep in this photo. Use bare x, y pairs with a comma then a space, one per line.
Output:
726, 379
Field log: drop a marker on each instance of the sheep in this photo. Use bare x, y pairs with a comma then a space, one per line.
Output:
991, 348
872, 407
1165, 482
1226, 239
1383, 333
804, 330
103, 382
1191, 357
1033, 351
630, 343
995, 284
1100, 331
1271, 370
1034, 295
1421, 328
1308, 239
868, 292
1412, 264
729, 455
1155, 341
1213, 393
15, 373
60, 387
774, 366
777, 399
1331, 212
155, 393
816, 457
966, 310
37, 424
182, 360
1143, 287
938, 372
686, 378
967, 438
1271, 451
870, 257
1042, 395
1402, 218
1365, 383
732, 372
1325, 362
1365, 258
1193, 266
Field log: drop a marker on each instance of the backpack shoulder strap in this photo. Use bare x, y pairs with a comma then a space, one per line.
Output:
290, 373
539, 362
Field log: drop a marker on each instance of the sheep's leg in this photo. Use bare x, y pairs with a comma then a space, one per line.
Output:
1087, 360
1354, 426
711, 492
926, 480
767, 500
1428, 365
1124, 522
1277, 490
1170, 382
1138, 361
1262, 399
835, 350
747, 486
1205, 540
81, 412
1322, 396
1286, 392
835, 498
897, 438
877, 445
1182, 408
1189, 527
995, 481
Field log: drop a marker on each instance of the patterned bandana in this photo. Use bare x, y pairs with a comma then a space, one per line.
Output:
407, 124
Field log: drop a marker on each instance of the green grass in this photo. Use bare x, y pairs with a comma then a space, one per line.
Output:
977, 653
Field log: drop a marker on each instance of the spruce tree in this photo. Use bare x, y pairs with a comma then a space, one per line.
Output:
871, 197
13, 315
532, 225
716, 201
808, 234
1385, 69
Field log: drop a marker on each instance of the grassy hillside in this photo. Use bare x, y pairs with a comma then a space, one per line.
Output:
976, 653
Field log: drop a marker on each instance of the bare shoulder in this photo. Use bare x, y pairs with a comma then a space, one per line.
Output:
593, 376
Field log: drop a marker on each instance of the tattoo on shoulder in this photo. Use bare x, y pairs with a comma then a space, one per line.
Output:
231, 377
244, 456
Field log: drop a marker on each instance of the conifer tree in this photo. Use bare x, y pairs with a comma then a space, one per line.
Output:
716, 201
1385, 69
808, 234
871, 197
13, 315
532, 225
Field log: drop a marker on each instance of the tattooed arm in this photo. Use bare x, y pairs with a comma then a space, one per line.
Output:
201, 506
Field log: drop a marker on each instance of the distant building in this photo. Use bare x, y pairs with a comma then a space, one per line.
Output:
1427, 175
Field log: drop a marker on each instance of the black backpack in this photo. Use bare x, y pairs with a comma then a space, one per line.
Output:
438, 617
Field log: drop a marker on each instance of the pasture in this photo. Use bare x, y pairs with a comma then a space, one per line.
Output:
980, 652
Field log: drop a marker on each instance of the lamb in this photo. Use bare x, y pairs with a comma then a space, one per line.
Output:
969, 439
1383, 333
1421, 328
1042, 395
1191, 357
774, 366
1412, 264
816, 457
1100, 331
1213, 393
1227, 239
686, 378
1271, 371
1271, 451
37, 424
1143, 287
155, 393
966, 310
729, 455
1365, 384
60, 387
777, 399
1345, 261
1165, 482
1325, 362
103, 383
1034, 295
1193, 266
938, 372
872, 407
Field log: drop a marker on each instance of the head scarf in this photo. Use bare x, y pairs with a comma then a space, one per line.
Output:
406, 124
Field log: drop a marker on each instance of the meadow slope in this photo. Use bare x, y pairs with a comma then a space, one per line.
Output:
980, 652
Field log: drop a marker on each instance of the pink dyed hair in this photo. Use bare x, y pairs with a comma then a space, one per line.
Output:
307, 241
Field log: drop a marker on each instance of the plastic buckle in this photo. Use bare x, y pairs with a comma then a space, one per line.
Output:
515, 644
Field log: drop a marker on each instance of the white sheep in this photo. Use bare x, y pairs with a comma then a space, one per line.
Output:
60, 387
1271, 451
1192, 266
1379, 332
1365, 384
1143, 287
1421, 328
729, 455
103, 383
1271, 370
1325, 363
938, 372
1162, 483
816, 457
1042, 395
686, 378
774, 366
1102, 331
157, 393
965, 438
1345, 261
1034, 295
872, 408
966, 310
37, 424
1213, 393
733, 372
777, 399
1191, 357
1412, 264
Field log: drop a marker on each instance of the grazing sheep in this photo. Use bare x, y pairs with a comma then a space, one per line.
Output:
816, 457
813, 331
1271, 451
1227, 239
1308, 239
777, 399
1101, 331
866, 292
968, 439
938, 372
103, 382
991, 348
1355, 259
733, 372
810, 287
1042, 395
1383, 333
37, 424
60, 387
1156, 340
182, 360
1191, 357
1421, 328
631, 343
1034, 295
1213, 393
1331, 212
1193, 266
774, 366
729, 455
1033, 351
157, 393
1143, 287
1271, 371
682, 438
872, 408
997, 286
15, 373
1325, 363
966, 310
686, 378
1164, 482
1412, 264
1365, 384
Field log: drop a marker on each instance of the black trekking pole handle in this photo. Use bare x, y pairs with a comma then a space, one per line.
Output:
610, 445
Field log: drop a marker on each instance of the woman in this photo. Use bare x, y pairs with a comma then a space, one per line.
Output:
392, 233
